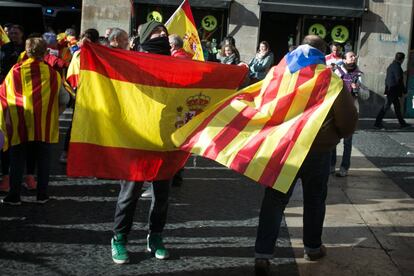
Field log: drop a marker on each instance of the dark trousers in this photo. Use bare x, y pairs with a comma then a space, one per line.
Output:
18, 155
391, 100
314, 174
346, 156
30, 163
127, 202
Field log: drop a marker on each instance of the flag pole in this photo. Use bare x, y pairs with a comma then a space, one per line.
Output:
177, 10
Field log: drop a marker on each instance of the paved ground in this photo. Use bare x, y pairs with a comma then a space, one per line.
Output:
213, 217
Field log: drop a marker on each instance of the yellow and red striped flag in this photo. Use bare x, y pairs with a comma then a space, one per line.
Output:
72, 75
29, 101
129, 103
266, 131
4, 39
182, 23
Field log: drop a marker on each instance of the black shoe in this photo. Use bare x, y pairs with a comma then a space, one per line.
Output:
314, 256
379, 125
11, 200
261, 267
42, 199
405, 125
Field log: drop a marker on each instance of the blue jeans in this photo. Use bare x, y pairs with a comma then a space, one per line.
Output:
314, 174
127, 202
346, 156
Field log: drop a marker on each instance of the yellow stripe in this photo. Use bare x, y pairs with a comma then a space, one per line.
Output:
139, 113
45, 78
11, 99
306, 138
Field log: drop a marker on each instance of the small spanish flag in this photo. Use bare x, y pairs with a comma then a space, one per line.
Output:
4, 39
182, 24
266, 131
129, 103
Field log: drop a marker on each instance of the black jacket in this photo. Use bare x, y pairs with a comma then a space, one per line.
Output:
394, 80
8, 57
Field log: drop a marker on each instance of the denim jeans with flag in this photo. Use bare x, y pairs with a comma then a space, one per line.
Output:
314, 174
127, 202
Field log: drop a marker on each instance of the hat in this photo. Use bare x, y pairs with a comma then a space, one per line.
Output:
147, 29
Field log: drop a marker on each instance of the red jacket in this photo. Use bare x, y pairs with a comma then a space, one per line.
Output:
181, 53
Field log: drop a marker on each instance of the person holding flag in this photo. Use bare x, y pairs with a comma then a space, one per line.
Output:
182, 23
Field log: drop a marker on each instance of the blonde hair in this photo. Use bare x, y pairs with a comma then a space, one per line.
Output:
36, 47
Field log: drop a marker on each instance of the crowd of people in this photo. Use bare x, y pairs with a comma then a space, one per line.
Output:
58, 53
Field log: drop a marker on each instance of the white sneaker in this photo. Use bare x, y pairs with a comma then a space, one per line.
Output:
147, 193
342, 172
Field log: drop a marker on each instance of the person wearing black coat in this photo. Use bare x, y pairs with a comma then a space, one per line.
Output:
394, 89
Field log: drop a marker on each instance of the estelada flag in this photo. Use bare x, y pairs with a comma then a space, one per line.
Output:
266, 131
182, 24
30, 103
4, 39
129, 103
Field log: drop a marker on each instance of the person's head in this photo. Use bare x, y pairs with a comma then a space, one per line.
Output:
264, 47
118, 39
50, 38
15, 33
228, 50
316, 42
6, 28
399, 57
90, 35
229, 40
36, 47
107, 32
350, 58
103, 41
176, 42
151, 30
336, 49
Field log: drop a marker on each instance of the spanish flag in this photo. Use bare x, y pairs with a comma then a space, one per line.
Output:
72, 75
29, 101
266, 131
4, 39
182, 24
128, 104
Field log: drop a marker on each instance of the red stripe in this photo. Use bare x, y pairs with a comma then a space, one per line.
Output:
18, 92
245, 155
6, 113
193, 139
229, 132
160, 70
53, 91
187, 10
283, 150
272, 89
73, 80
87, 160
37, 99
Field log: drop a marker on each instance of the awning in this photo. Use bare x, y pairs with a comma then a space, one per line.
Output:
348, 8
222, 4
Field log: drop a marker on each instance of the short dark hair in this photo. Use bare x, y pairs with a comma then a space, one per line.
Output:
399, 57
91, 34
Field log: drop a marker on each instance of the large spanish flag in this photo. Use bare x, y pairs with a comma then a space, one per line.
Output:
266, 131
182, 23
4, 39
29, 101
128, 104
72, 75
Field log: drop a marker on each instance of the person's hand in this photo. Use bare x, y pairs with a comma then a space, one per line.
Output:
354, 85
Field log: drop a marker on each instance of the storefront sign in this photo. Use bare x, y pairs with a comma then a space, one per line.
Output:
209, 23
317, 29
340, 34
154, 15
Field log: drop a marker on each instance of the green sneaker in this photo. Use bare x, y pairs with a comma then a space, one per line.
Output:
156, 246
119, 251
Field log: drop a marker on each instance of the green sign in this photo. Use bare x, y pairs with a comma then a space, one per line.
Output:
154, 15
340, 34
209, 23
317, 29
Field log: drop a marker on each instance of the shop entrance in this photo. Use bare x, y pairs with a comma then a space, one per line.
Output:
280, 30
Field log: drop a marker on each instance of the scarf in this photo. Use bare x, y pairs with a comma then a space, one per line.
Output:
158, 45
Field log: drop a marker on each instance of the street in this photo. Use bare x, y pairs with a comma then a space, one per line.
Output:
213, 217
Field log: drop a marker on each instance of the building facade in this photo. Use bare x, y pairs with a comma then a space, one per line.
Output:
374, 29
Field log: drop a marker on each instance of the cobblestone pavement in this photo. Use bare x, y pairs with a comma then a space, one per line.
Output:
211, 224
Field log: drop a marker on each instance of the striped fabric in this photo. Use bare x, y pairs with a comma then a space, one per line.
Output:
129, 103
72, 75
266, 131
29, 101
